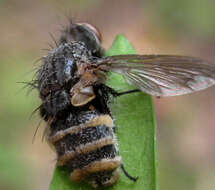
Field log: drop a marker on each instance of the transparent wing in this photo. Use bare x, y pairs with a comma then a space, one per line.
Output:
162, 75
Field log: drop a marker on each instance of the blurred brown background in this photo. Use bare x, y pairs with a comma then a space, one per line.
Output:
185, 124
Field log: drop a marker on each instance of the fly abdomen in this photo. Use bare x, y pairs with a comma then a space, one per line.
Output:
90, 150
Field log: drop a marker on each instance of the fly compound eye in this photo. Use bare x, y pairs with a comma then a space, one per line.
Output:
93, 29
85, 33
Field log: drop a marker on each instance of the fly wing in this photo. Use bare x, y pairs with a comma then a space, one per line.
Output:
162, 75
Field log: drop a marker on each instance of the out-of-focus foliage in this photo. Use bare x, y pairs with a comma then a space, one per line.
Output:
14, 107
13, 173
15, 104
186, 16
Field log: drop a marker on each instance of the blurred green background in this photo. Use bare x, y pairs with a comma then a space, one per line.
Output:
185, 124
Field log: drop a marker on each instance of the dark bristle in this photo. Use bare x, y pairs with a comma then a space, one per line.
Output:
54, 40
36, 130
34, 111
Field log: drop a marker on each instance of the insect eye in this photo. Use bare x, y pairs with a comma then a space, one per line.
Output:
93, 29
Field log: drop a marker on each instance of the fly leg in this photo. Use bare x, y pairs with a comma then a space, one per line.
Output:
115, 93
127, 174
127, 92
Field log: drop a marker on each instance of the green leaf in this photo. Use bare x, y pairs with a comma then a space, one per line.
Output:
136, 132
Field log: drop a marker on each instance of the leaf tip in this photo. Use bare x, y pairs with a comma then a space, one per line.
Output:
121, 44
